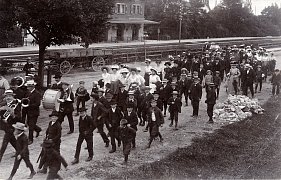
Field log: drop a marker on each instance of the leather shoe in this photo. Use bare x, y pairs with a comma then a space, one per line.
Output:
30, 142
107, 144
69, 132
112, 151
31, 175
38, 133
75, 161
89, 159
43, 171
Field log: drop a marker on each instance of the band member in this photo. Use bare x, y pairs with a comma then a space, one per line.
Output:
121, 98
22, 150
174, 108
86, 128
131, 116
57, 85
195, 96
32, 109
52, 159
98, 113
126, 134
155, 120
66, 106
53, 135
114, 117
9, 116
211, 101
248, 78
82, 95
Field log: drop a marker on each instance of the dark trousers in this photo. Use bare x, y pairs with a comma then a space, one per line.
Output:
89, 141
8, 138
185, 93
218, 91
31, 122
102, 133
195, 106
113, 137
69, 117
126, 147
17, 164
250, 86
210, 109
174, 115
165, 104
53, 175
80, 101
275, 88
259, 82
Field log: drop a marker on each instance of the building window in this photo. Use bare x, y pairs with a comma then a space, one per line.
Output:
136, 9
121, 8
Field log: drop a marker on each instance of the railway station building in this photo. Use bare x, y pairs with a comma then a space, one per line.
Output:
127, 21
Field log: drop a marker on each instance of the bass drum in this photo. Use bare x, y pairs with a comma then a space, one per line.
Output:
50, 100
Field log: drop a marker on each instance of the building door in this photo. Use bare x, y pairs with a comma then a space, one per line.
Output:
120, 32
135, 32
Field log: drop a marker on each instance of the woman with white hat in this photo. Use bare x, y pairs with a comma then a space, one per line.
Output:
106, 78
153, 80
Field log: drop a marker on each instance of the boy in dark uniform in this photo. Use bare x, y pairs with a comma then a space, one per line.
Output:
132, 100
52, 159
159, 101
195, 96
145, 105
86, 128
22, 150
121, 98
174, 108
155, 120
165, 93
82, 95
131, 116
114, 117
211, 101
184, 85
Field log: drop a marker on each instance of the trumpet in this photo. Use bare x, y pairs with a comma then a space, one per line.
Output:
69, 92
25, 102
7, 113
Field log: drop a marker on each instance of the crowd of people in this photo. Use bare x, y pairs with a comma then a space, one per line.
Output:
128, 97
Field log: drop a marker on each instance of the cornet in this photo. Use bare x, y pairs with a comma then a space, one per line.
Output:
69, 92
7, 113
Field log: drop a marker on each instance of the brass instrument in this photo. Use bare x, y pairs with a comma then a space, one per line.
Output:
10, 105
69, 92
25, 102
20, 80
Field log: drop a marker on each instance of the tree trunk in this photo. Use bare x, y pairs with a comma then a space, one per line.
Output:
42, 49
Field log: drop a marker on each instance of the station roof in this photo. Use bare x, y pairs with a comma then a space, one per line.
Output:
132, 21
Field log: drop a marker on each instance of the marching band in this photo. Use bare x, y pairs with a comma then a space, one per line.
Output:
123, 99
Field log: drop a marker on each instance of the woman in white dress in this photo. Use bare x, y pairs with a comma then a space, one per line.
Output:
133, 77
160, 68
123, 79
114, 77
153, 80
106, 78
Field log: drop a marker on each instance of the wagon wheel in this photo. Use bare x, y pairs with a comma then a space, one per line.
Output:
97, 62
65, 67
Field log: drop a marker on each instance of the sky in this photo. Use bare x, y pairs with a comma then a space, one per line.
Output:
257, 5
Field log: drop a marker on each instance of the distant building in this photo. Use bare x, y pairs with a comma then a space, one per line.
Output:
127, 21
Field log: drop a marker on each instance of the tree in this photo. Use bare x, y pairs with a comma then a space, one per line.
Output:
55, 22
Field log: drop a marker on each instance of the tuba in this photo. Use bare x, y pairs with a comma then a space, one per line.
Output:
25, 102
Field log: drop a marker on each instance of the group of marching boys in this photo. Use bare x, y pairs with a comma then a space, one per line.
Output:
123, 99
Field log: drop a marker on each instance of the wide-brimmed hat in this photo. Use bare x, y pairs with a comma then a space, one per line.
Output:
153, 69
138, 68
175, 93
57, 75
114, 67
30, 83
104, 67
124, 70
174, 83
183, 74
147, 60
131, 93
135, 84
146, 88
82, 109
133, 69
164, 81
247, 65
123, 122
9, 92
54, 113
20, 126
217, 72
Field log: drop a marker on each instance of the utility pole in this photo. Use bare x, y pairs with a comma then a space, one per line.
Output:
180, 19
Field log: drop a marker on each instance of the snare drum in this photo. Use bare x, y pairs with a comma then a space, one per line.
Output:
50, 99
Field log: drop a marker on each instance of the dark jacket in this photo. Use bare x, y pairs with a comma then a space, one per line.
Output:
145, 104
86, 126
248, 77
103, 100
165, 92
56, 86
174, 104
276, 79
67, 106
134, 102
53, 132
126, 134
52, 159
34, 103
82, 94
121, 98
114, 118
98, 113
195, 92
132, 119
7, 126
211, 97
158, 114
22, 146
